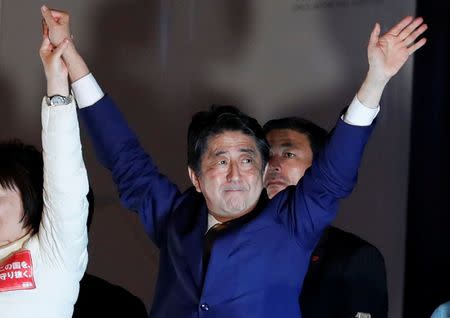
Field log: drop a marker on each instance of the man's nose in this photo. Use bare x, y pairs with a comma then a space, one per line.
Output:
233, 172
275, 163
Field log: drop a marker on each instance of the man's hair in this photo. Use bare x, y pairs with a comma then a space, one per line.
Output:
218, 119
21, 169
317, 136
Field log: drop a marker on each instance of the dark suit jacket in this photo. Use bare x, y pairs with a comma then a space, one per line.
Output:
256, 268
347, 275
99, 298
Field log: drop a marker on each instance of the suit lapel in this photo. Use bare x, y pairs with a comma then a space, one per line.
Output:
318, 255
222, 247
193, 245
226, 243
186, 240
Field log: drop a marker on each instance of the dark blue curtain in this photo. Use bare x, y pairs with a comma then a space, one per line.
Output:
427, 272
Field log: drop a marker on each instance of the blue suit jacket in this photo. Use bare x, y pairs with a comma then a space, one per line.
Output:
257, 268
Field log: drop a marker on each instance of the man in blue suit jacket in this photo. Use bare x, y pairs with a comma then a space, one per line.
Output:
346, 275
257, 265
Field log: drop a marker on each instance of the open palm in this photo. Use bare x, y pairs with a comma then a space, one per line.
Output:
388, 53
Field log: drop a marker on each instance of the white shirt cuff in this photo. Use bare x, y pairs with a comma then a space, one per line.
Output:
87, 91
359, 115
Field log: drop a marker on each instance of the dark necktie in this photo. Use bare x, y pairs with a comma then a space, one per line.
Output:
210, 236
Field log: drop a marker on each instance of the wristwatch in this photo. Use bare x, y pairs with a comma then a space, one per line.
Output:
58, 100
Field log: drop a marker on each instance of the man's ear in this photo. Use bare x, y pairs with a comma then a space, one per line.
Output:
194, 179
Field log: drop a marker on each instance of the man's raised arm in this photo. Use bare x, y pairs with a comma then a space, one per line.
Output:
334, 172
141, 187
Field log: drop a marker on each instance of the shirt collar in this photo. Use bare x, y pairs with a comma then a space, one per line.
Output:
211, 221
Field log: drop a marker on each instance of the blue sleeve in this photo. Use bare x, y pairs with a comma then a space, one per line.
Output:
443, 311
312, 204
141, 187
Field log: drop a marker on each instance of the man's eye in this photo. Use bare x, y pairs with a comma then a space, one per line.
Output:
289, 155
248, 160
222, 162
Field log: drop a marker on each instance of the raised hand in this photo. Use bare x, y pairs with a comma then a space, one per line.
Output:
388, 53
55, 25
56, 28
54, 67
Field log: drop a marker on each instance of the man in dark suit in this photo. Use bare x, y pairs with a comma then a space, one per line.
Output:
346, 274
225, 249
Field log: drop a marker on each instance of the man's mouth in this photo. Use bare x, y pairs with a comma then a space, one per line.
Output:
234, 189
276, 183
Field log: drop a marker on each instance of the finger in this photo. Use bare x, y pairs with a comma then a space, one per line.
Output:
46, 46
417, 46
410, 28
44, 28
47, 15
413, 36
58, 52
374, 35
60, 16
400, 26
45, 42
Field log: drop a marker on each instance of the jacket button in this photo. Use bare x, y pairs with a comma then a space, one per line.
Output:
204, 307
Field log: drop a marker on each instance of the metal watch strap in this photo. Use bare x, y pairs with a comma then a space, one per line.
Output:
58, 100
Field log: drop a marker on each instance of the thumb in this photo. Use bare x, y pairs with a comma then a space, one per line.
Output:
46, 47
375, 35
45, 44
61, 48
47, 15
44, 28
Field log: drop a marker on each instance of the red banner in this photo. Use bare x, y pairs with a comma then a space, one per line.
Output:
16, 272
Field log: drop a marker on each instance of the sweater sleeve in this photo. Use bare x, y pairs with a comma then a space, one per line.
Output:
62, 234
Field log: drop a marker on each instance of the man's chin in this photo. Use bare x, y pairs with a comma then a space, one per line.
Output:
273, 188
235, 207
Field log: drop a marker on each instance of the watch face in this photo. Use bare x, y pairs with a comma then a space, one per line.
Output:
57, 100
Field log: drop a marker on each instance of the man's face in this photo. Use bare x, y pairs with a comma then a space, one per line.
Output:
290, 156
11, 213
231, 175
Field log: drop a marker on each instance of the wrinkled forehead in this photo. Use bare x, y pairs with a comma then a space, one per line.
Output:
231, 141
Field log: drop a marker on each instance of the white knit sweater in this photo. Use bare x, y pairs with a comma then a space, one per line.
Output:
59, 250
